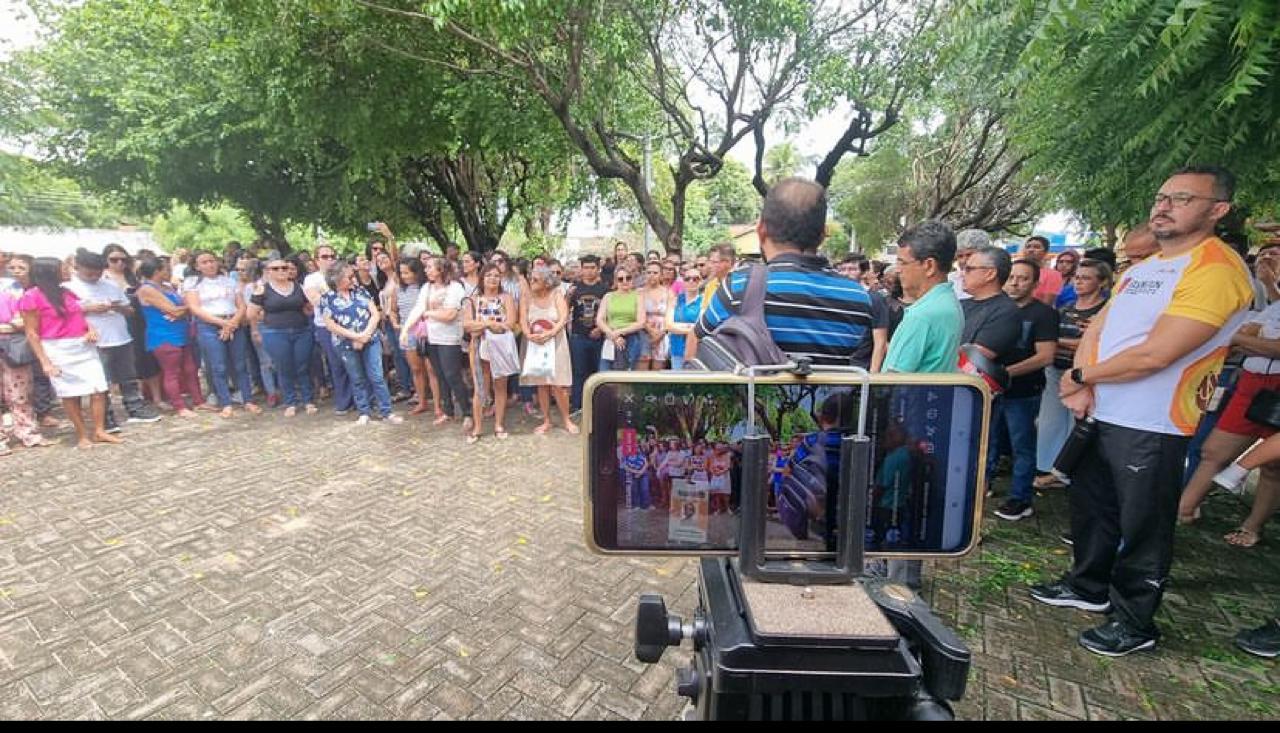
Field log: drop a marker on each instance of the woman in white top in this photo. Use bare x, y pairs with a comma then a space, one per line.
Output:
440, 304
219, 310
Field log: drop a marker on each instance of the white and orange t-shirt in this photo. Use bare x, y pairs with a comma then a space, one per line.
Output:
1209, 284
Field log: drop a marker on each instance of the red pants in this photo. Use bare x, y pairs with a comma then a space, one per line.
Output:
179, 375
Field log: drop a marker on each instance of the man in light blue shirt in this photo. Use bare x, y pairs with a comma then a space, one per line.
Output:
928, 339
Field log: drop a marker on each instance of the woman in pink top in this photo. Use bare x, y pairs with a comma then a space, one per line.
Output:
63, 343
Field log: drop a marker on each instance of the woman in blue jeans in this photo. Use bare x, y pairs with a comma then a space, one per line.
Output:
279, 303
352, 317
219, 310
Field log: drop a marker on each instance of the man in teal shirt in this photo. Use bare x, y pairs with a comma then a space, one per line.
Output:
928, 339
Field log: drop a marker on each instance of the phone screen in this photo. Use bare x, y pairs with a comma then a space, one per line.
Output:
665, 463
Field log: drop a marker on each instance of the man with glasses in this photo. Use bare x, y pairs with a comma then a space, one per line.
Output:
314, 286
1144, 370
991, 319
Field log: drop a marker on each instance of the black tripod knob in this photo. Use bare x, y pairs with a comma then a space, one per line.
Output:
688, 682
655, 628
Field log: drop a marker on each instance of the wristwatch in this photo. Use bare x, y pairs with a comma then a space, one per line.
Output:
1077, 376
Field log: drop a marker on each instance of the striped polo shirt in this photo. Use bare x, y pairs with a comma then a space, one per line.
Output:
811, 310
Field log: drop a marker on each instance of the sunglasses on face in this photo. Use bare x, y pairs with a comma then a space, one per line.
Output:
116, 259
623, 279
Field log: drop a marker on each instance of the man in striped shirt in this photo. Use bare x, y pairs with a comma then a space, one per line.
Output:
811, 310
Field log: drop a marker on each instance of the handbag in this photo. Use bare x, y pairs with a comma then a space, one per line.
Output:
540, 360
15, 350
1264, 408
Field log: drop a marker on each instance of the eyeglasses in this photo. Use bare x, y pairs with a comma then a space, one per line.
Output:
623, 278
1181, 200
278, 267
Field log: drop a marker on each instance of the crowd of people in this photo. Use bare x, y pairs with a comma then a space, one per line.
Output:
1137, 344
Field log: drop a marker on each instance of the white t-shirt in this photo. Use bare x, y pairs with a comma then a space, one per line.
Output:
1209, 284
435, 297
112, 328
957, 282
217, 294
1270, 320
315, 283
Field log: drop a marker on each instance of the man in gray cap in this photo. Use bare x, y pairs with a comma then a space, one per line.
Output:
968, 241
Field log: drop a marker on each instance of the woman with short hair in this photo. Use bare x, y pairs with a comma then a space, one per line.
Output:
544, 315
352, 317
63, 343
218, 308
440, 305
167, 336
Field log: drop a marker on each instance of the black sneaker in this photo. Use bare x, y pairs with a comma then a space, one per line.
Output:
1013, 510
1114, 639
1067, 539
1061, 594
1263, 641
145, 414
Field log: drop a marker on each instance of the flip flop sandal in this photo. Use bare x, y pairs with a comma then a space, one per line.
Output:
1242, 537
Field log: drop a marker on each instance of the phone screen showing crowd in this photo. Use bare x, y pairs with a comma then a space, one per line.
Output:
666, 465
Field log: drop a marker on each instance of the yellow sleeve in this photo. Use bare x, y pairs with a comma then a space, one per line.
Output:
1211, 293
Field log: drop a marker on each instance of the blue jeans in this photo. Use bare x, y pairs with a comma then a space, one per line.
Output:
584, 352
342, 400
364, 369
1054, 424
635, 348
403, 376
262, 368
290, 350
1018, 416
226, 360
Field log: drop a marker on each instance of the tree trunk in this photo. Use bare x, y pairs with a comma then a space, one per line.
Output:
1109, 235
270, 232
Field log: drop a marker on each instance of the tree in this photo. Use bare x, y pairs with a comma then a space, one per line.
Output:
32, 196
702, 74
1112, 95
208, 228
783, 161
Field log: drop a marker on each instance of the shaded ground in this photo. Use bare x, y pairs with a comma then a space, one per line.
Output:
260, 567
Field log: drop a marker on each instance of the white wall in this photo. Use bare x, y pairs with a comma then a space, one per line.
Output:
40, 242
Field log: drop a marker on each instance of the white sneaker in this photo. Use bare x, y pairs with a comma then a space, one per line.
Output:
364, 420
394, 419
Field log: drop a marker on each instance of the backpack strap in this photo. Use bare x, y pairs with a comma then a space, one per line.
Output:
757, 283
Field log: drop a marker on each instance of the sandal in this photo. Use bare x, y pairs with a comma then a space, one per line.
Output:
440, 419
542, 429
1242, 537
500, 434
572, 429
472, 438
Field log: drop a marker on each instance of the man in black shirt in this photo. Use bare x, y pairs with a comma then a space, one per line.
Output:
1017, 408
990, 316
585, 340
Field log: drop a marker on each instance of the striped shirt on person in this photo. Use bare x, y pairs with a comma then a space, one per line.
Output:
811, 310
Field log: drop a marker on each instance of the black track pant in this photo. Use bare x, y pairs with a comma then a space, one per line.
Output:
447, 361
1124, 505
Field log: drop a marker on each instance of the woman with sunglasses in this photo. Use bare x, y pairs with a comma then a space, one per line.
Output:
440, 305
218, 308
280, 306
682, 314
621, 318
64, 344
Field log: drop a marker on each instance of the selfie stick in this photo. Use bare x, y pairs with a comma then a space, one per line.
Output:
855, 467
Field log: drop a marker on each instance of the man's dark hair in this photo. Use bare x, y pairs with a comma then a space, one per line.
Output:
1035, 268
795, 213
931, 240
1038, 238
589, 260
90, 260
1101, 254
999, 259
724, 249
1224, 181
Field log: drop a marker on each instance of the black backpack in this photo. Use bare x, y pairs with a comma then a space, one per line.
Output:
743, 340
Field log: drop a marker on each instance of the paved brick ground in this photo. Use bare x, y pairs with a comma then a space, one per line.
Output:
264, 568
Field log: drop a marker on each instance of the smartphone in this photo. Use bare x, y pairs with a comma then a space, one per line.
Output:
663, 463
372, 226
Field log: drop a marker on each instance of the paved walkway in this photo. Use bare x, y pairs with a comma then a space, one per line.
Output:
264, 568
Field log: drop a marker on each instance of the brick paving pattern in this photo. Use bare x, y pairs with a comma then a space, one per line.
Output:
309, 568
